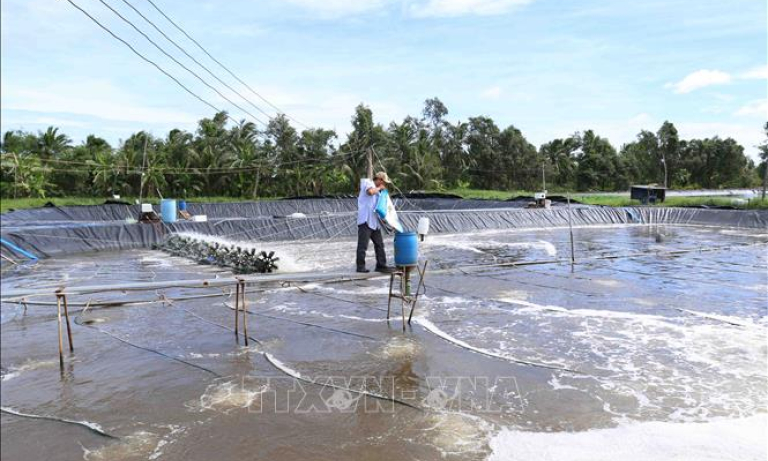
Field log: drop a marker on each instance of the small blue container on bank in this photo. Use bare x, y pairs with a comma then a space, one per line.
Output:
168, 210
406, 249
182, 205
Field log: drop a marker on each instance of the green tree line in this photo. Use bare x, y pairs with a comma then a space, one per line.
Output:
427, 152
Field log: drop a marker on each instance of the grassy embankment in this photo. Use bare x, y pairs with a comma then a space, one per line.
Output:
591, 199
7, 204
614, 200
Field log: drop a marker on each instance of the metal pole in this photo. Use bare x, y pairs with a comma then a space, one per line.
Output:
422, 272
765, 176
570, 230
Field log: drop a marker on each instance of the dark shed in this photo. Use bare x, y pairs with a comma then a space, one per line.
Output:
647, 193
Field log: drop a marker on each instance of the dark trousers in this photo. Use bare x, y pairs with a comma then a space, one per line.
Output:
365, 233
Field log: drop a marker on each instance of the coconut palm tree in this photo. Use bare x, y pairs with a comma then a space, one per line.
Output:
51, 143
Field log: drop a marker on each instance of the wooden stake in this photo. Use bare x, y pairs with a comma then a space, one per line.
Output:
245, 312
237, 306
389, 301
61, 343
69, 327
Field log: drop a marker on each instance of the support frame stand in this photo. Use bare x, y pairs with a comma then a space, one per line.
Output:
407, 299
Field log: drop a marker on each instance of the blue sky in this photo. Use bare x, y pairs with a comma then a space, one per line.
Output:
548, 67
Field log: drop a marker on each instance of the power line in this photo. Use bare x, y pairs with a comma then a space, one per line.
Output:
223, 66
127, 21
144, 58
193, 58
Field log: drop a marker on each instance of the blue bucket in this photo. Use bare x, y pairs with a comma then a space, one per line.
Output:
168, 210
406, 249
182, 205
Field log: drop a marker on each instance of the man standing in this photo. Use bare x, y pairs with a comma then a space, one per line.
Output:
368, 226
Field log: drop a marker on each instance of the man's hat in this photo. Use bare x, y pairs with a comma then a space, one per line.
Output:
383, 176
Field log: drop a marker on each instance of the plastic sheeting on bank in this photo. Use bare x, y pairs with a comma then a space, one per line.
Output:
330, 222
99, 214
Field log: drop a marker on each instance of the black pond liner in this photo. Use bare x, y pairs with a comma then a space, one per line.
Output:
51, 231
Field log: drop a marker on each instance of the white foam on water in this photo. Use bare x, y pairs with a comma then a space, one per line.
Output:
156, 261
196, 355
400, 348
428, 325
226, 396
607, 282
716, 440
287, 263
742, 233
170, 438
707, 364
455, 434
315, 313
515, 295
476, 244
554, 381
367, 290
29, 365
139, 445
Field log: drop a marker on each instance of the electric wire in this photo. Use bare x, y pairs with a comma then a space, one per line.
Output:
148, 349
162, 50
144, 58
180, 48
222, 65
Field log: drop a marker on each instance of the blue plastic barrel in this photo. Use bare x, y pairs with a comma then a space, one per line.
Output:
406, 249
168, 210
182, 205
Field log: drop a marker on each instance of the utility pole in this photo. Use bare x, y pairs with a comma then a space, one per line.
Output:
570, 231
765, 176
543, 180
16, 177
143, 166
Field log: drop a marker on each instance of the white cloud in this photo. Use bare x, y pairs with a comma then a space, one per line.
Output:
760, 72
491, 93
700, 79
758, 107
444, 8
417, 8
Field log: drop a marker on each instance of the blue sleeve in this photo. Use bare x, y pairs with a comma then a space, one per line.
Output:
381, 204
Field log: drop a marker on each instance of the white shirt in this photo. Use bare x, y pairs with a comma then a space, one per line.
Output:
366, 205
